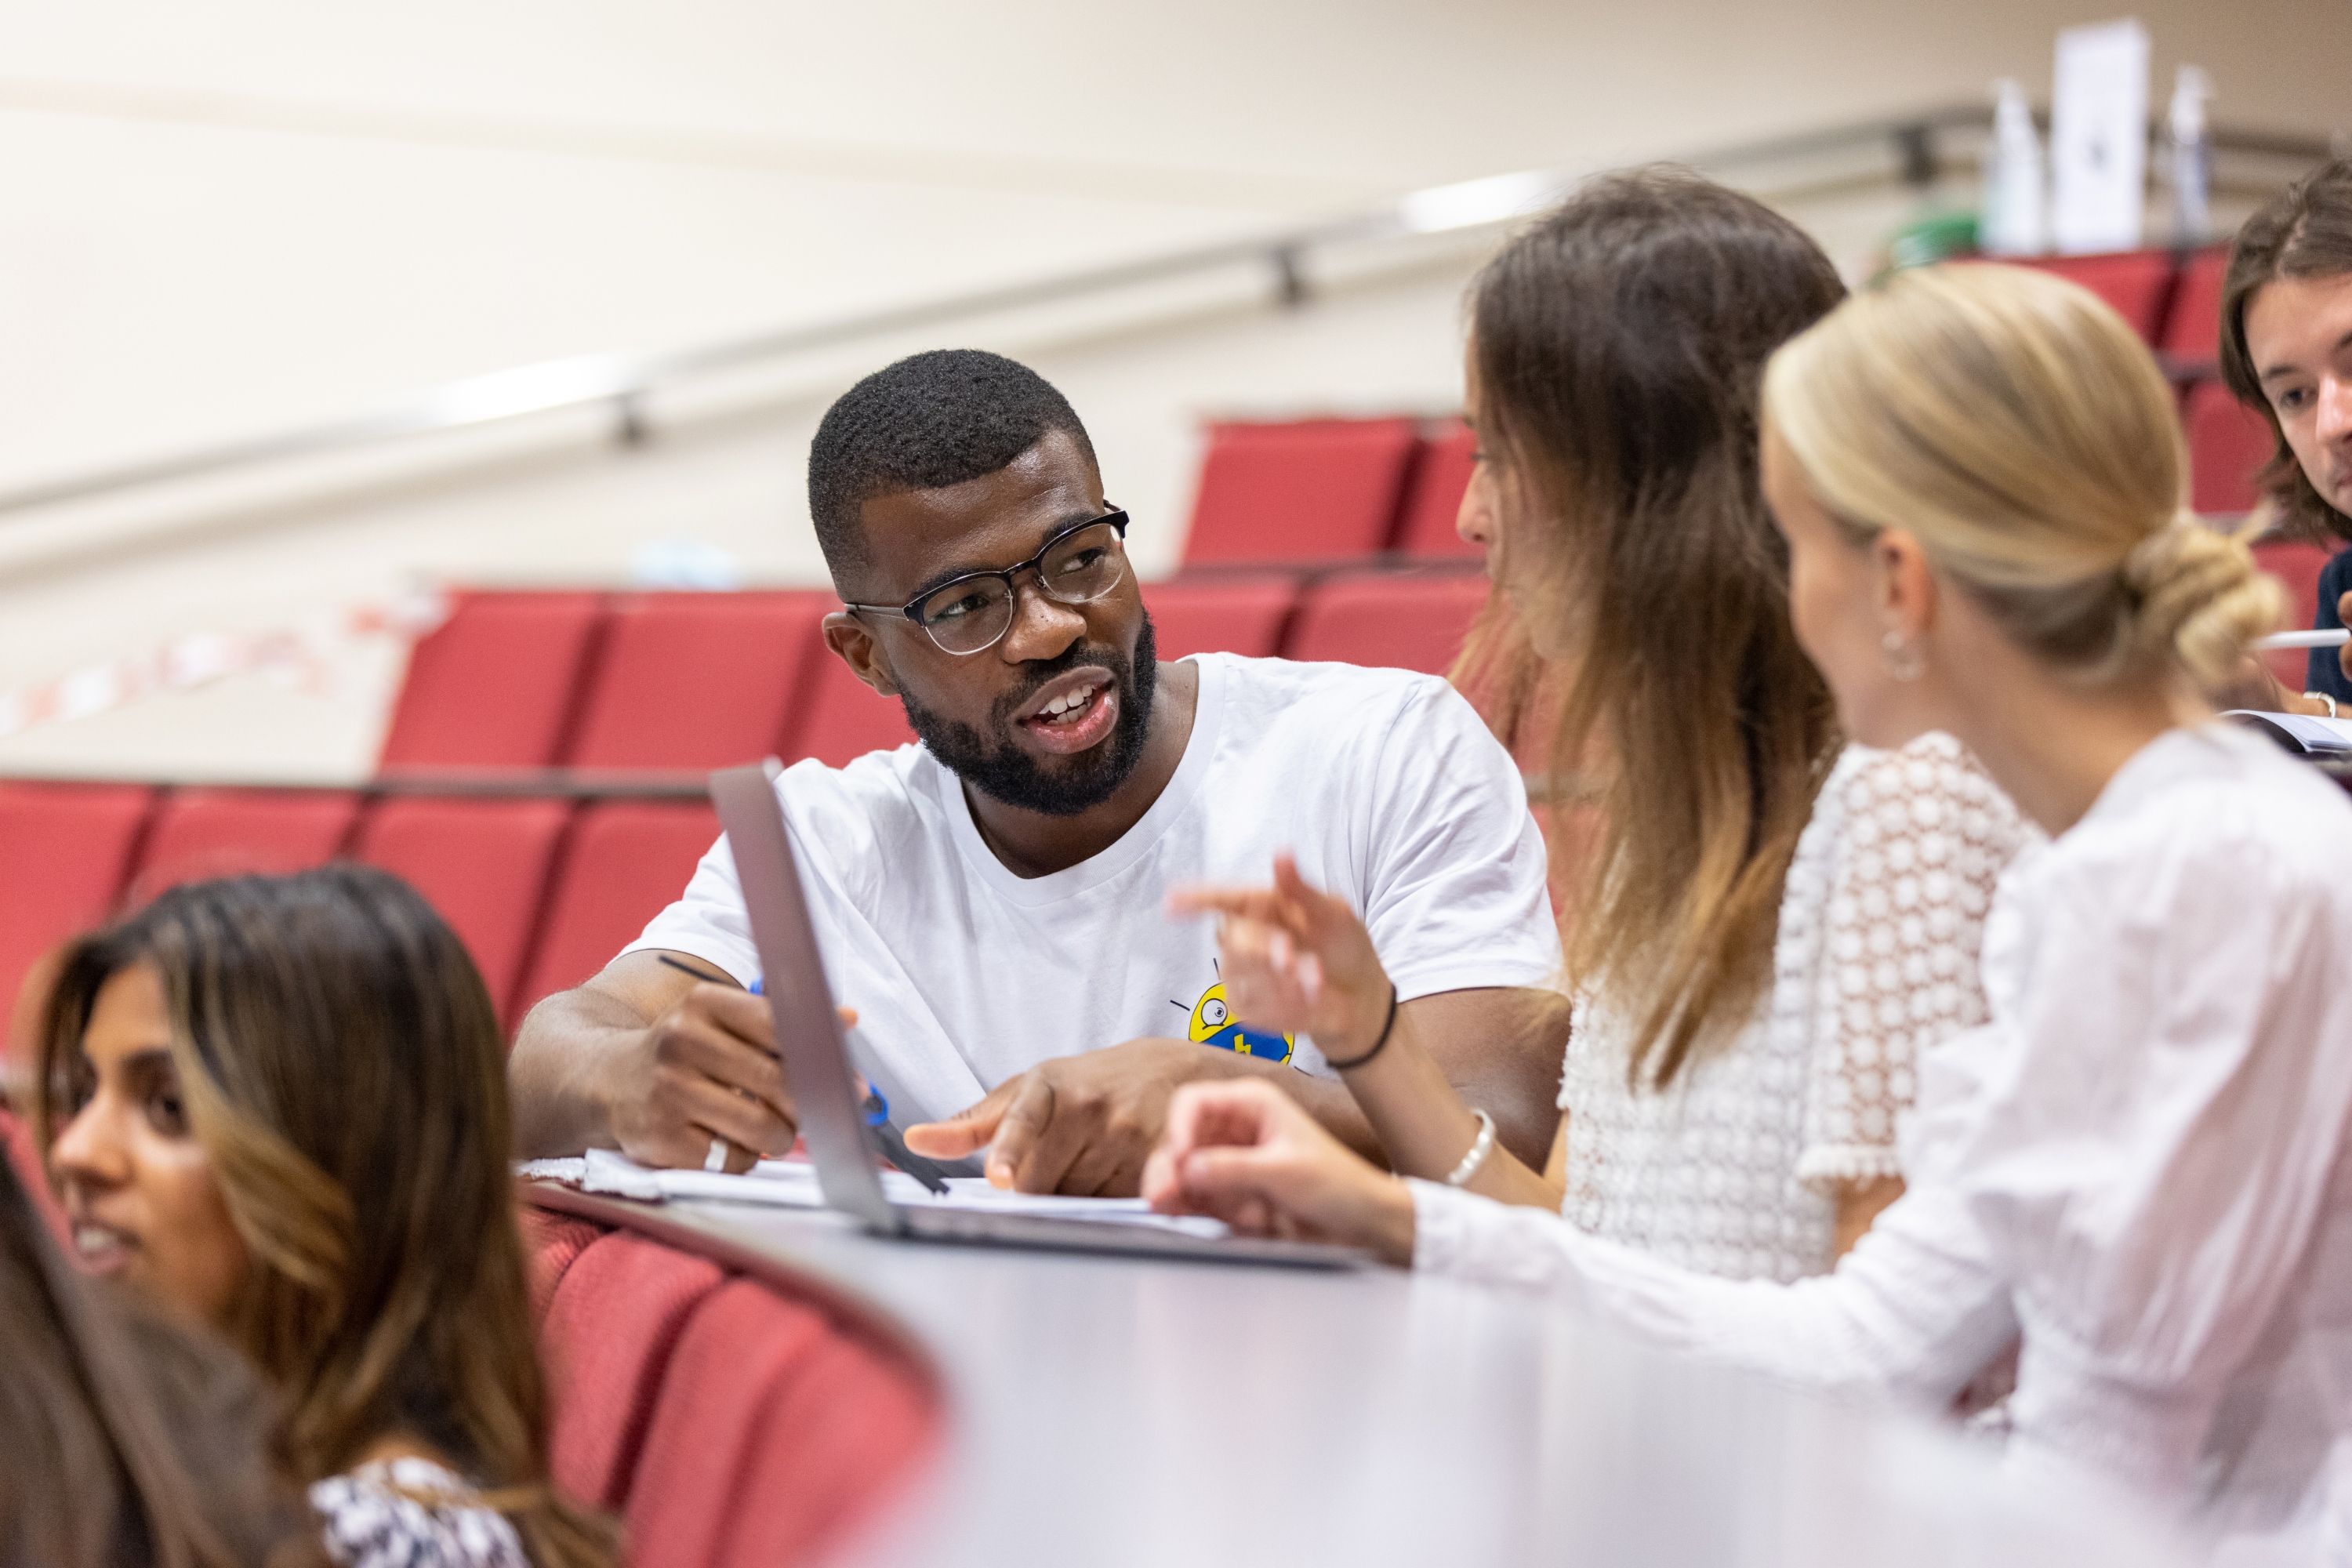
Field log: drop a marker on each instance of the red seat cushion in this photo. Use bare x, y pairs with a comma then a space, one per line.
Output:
695, 681
2229, 443
67, 852
495, 684
841, 718
1317, 489
1222, 615
776, 1429
482, 863
200, 834
625, 862
1406, 619
1432, 496
2192, 328
2136, 283
611, 1328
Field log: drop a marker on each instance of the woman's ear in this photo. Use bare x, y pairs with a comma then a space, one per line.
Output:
1906, 584
857, 645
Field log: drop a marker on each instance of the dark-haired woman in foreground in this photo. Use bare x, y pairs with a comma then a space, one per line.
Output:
2138, 1171
123, 1442
279, 1105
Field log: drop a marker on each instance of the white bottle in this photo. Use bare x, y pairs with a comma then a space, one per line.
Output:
2014, 223
2192, 159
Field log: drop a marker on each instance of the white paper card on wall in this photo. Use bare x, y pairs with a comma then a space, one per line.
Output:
2098, 138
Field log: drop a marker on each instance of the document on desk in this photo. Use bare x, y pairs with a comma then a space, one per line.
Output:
792, 1184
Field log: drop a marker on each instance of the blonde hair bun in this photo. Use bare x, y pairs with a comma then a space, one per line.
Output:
2012, 423
2202, 600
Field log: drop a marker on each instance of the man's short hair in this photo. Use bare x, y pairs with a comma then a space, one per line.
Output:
929, 421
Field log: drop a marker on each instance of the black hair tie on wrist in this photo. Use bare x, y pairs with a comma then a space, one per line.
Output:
1377, 1046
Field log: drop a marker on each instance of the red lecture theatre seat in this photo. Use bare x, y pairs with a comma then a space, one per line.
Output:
2138, 283
2228, 444
1221, 615
483, 864
690, 682
67, 851
1316, 489
2192, 328
495, 684
1432, 496
626, 861
840, 718
1409, 620
200, 834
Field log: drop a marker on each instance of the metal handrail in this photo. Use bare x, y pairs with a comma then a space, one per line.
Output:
622, 381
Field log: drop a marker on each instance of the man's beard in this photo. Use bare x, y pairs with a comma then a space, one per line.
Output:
996, 764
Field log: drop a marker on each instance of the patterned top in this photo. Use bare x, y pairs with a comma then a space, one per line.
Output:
411, 1513
1733, 1168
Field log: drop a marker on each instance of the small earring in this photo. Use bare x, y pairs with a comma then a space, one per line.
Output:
1904, 661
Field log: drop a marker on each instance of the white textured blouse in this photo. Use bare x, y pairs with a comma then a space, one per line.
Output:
411, 1513
2138, 1167
1733, 1167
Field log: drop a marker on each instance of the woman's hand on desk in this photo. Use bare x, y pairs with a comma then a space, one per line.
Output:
1249, 1155
1295, 959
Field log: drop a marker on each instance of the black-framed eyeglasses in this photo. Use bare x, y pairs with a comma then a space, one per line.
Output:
971, 614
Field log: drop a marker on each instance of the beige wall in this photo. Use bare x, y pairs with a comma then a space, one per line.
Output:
223, 220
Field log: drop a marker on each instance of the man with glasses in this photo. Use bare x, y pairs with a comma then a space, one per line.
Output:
990, 901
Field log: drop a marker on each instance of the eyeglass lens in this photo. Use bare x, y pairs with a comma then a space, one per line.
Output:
966, 617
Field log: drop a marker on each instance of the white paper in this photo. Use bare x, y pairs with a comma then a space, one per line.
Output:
2098, 138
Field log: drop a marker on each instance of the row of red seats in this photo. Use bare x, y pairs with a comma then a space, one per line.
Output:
1341, 489
727, 1423
544, 891
692, 681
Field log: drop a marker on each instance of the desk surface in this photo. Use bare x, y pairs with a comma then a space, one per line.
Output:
1114, 1410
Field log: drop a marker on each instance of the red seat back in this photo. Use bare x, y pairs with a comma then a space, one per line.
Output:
1316, 489
2228, 444
1222, 615
1409, 620
2136, 283
67, 851
2297, 566
612, 1325
696, 682
1432, 496
200, 834
482, 863
841, 718
553, 1243
495, 684
2192, 328
776, 1429
627, 860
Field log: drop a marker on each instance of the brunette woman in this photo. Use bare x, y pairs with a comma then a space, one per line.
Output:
279, 1106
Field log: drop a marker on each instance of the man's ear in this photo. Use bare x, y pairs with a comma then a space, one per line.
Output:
855, 644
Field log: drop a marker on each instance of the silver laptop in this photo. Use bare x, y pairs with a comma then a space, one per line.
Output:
824, 1088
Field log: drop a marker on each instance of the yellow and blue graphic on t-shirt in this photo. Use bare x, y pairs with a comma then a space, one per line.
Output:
1214, 1024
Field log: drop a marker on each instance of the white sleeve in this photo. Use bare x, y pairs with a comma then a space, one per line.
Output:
1913, 1312
1923, 837
1455, 884
2154, 1170
707, 921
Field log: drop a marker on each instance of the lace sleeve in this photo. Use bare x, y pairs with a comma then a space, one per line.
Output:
1922, 836
411, 1513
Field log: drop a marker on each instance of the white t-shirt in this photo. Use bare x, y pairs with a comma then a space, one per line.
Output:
1386, 785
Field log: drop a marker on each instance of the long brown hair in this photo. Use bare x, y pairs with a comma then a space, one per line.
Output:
344, 1070
1618, 345
128, 1444
2305, 232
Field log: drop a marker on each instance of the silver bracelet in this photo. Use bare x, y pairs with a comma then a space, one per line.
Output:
1480, 1147
2324, 696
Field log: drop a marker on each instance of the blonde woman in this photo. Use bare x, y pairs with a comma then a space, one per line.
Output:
1743, 926
2139, 1167
277, 1106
